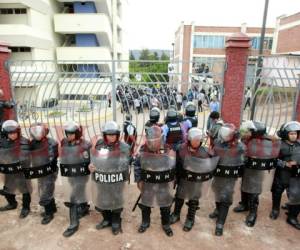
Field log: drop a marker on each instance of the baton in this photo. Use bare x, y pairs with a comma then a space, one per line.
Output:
136, 203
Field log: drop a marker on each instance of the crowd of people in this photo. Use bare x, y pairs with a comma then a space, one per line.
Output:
173, 153
145, 98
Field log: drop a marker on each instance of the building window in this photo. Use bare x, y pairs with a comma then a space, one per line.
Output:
13, 11
209, 42
268, 42
20, 49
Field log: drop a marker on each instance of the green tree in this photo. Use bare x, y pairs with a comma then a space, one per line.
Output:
131, 56
164, 57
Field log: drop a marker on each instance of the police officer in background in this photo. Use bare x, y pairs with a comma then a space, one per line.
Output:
154, 173
174, 131
130, 133
74, 162
195, 165
190, 114
44, 153
4, 105
110, 167
14, 155
231, 152
261, 155
154, 116
287, 173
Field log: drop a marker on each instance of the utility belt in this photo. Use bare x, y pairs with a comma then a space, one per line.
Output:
40, 171
261, 164
111, 178
73, 170
158, 177
195, 177
229, 171
12, 168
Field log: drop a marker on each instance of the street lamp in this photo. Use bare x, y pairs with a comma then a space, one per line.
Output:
260, 59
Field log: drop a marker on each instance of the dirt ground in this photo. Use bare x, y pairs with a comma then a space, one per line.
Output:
29, 234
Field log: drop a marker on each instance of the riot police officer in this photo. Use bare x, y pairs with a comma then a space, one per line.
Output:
4, 105
287, 173
44, 153
74, 162
230, 150
195, 165
154, 173
174, 132
110, 167
262, 153
130, 133
154, 116
14, 155
190, 114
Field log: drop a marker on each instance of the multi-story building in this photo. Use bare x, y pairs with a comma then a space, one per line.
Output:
80, 36
195, 45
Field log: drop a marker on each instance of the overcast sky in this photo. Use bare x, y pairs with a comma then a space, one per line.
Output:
152, 23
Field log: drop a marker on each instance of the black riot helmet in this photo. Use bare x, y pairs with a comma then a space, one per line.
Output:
256, 128
72, 127
154, 140
190, 109
154, 114
292, 126
172, 115
11, 126
128, 117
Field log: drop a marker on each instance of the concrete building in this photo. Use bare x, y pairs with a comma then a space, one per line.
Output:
81, 37
195, 45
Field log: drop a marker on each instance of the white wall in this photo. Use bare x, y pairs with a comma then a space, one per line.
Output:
13, 19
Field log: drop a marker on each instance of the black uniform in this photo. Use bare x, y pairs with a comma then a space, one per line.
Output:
192, 169
157, 172
14, 156
44, 155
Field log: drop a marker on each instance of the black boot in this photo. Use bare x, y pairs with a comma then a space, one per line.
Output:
175, 216
293, 211
25, 206
165, 220
50, 209
74, 221
11, 199
83, 209
243, 204
106, 222
116, 221
190, 218
253, 204
214, 214
276, 198
223, 211
146, 211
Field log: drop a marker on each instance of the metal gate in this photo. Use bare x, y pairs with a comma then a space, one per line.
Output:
273, 89
92, 92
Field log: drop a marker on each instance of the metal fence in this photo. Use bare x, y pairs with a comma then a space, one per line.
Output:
274, 89
92, 92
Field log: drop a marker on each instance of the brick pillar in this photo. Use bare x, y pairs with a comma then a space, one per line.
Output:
237, 48
297, 108
4, 79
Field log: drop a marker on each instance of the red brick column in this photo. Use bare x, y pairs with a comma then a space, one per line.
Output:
237, 48
4, 79
297, 108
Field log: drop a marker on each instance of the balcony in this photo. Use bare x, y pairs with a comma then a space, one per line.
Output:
24, 36
98, 24
91, 55
41, 5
